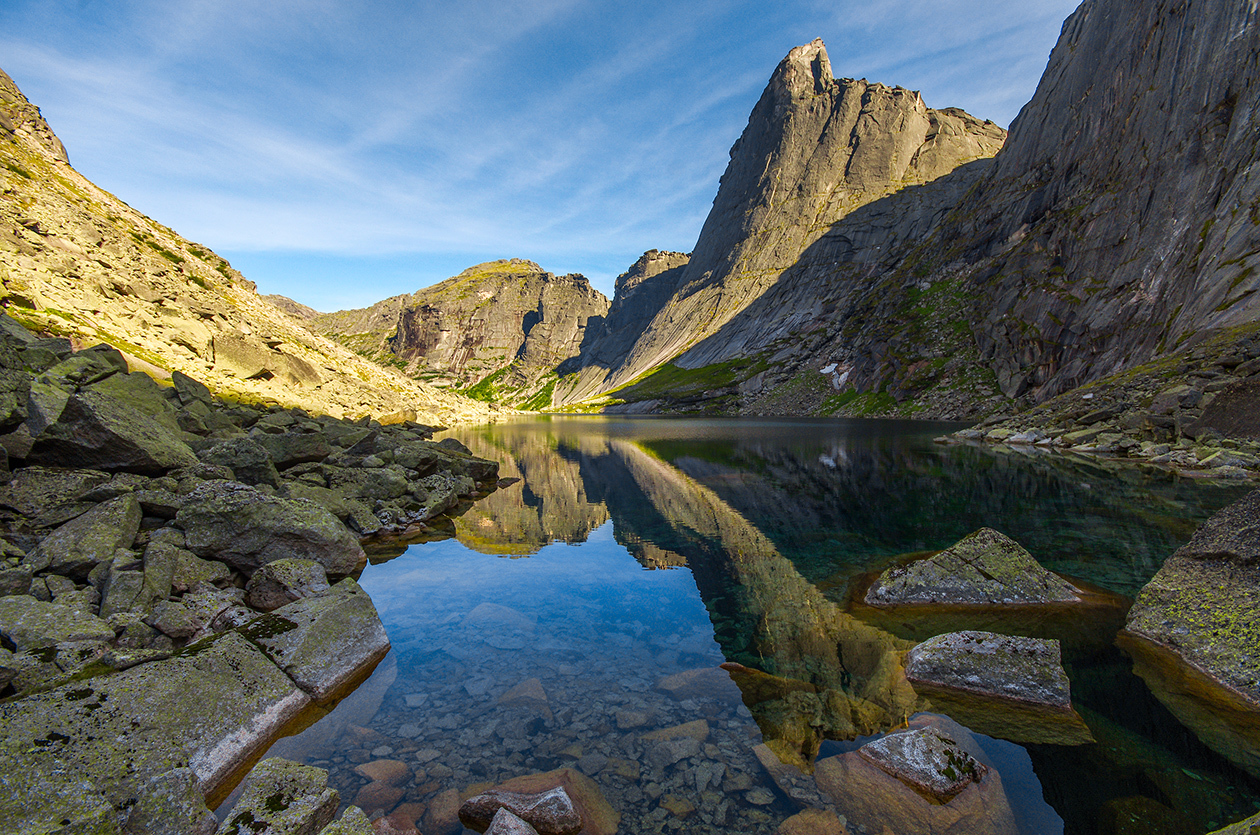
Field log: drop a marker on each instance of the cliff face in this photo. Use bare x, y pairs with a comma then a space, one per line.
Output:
1120, 223
498, 329
816, 148
1123, 217
78, 262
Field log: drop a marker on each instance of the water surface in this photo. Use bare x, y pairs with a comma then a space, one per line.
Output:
577, 616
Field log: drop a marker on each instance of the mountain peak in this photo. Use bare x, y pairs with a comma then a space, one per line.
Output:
805, 71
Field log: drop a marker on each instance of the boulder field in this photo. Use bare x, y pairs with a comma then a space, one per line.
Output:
177, 585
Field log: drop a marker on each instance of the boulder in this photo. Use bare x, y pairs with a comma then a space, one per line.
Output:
34, 490
248, 460
209, 709
282, 798
986, 568
79, 545
288, 449
99, 431
189, 390
598, 816
917, 781
31, 624
323, 643
354, 821
391, 772
550, 812
247, 529
1194, 628
283, 581
1022, 669
442, 817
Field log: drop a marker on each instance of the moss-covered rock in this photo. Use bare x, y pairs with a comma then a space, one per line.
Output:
323, 643
32, 624
78, 546
985, 568
284, 581
246, 529
282, 798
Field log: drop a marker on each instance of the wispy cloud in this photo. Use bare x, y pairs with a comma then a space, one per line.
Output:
580, 131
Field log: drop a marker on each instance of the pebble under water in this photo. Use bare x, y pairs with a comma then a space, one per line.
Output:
575, 619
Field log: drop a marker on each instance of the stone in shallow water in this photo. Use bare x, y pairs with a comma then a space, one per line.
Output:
985, 568
926, 761
529, 694
813, 822
1024, 669
506, 823
393, 772
711, 682
598, 816
870, 796
550, 812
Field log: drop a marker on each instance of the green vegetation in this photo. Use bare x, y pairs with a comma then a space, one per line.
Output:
541, 400
19, 170
674, 382
486, 390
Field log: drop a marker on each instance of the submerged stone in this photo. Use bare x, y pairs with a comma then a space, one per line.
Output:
550, 812
985, 568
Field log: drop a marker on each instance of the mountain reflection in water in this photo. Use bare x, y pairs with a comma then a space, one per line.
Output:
780, 523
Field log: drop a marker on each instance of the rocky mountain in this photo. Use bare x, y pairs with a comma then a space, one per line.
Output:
497, 330
816, 150
77, 262
1117, 227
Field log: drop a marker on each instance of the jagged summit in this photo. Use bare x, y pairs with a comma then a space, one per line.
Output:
805, 71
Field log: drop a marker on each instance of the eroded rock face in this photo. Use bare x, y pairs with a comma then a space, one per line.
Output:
508, 323
985, 568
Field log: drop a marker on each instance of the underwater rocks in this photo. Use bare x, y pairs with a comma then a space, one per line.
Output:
985, 568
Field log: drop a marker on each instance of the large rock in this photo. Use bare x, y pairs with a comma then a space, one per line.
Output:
985, 568
33, 624
34, 490
247, 459
1009, 687
246, 529
289, 448
324, 643
1194, 628
917, 781
282, 798
79, 545
97, 430
283, 581
209, 710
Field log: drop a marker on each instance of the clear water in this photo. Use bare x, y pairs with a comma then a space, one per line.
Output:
544, 632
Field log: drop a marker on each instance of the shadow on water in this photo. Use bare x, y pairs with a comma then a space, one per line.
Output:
778, 524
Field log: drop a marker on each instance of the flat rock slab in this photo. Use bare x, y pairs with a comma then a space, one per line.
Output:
323, 643
34, 490
986, 568
598, 816
246, 529
925, 760
207, 710
1023, 669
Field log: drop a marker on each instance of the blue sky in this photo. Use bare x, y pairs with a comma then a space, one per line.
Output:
342, 151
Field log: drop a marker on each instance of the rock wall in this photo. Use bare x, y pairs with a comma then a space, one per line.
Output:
76, 261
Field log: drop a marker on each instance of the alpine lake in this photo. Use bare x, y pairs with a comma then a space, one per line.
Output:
576, 619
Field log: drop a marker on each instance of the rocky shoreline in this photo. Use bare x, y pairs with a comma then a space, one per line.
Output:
177, 583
